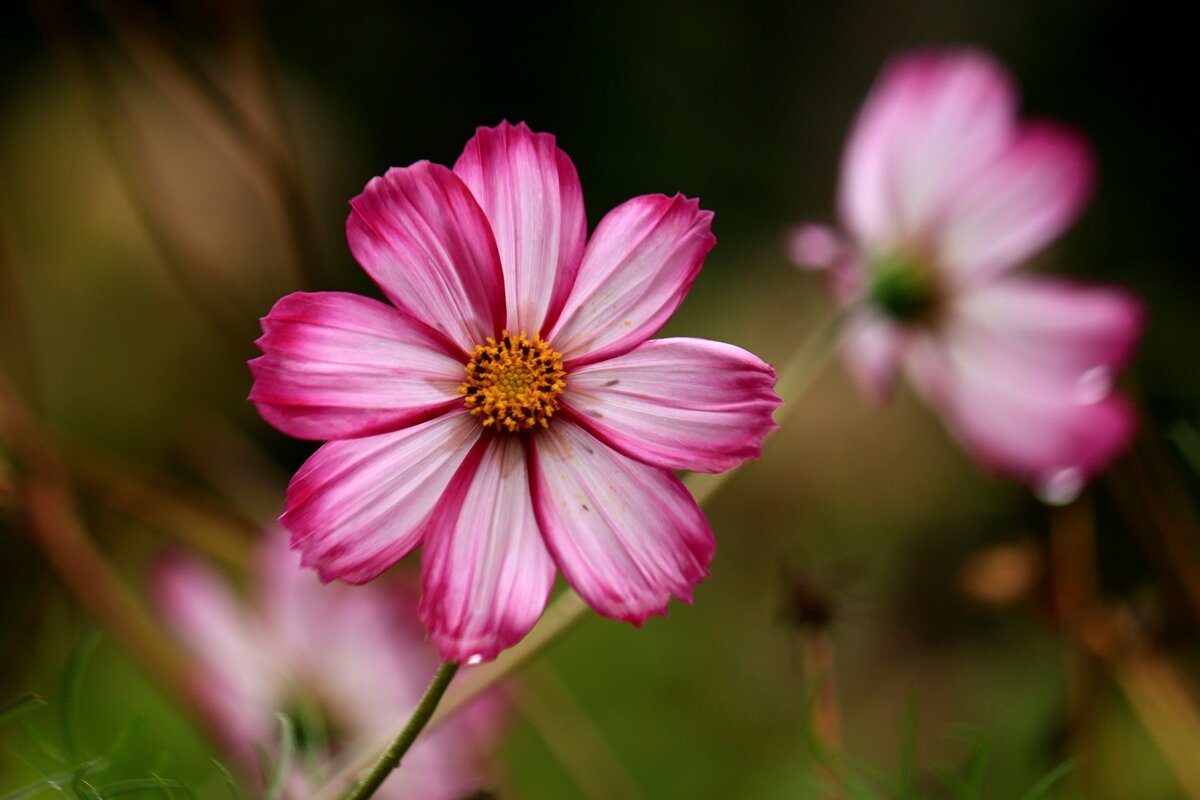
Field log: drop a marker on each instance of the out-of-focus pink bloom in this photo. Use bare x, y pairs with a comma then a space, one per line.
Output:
944, 191
343, 664
507, 410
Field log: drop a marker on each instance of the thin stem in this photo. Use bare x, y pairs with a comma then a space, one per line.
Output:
820, 673
391, 757
795, 378
570, 735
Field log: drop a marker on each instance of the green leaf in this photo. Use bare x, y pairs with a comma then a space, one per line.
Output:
72, 691
139, 785
39, 739
56, 781
20, 706
283, 762
1054, 776
229, 779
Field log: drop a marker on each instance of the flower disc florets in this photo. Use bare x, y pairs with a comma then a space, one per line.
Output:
905, 289
513, 384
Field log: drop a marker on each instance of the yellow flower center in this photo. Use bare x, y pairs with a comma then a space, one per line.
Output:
513, 384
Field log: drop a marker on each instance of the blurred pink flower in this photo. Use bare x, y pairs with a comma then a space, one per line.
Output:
944, 192
343, 664
507, 411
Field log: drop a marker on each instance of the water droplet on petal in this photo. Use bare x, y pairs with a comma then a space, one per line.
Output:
1093, 385
1061, 486
475, 659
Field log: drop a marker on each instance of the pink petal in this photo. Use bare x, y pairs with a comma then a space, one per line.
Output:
361, 651
626, 536
1081, 332
233, 676
359, 505
1017, 204
931, 121
815, 247
678, 403
821, 248
420, 235
339, 366
485, 571
636, 270
873, 347
530, 192
1040, 420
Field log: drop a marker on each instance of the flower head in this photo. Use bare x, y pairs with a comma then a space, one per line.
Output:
344, 665
943, 193
507, 410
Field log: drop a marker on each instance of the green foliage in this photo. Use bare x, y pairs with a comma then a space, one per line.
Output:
70, 767
966, 782
14, 709
283, 760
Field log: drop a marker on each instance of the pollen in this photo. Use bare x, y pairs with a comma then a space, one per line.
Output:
513, 383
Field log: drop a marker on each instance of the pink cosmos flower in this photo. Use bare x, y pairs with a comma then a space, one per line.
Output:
344, 664
507, 410
943, 193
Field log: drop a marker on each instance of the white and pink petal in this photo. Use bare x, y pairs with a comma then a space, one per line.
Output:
932, 121
636, 270
1083, 333
627, 536
232, 675
873, 348
529, 191
1021, 419
486, 573
678, 403
359, 505
1016, 204
422, 237
338, 366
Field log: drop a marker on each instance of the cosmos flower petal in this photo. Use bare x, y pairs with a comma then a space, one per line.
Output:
638, 266
338, 366
236, 685
1017, 204
485, 573
359, 505
627, 536
530, 192
678, 403
873, 348
1084, 334
1020, 417
931, 122
420, 235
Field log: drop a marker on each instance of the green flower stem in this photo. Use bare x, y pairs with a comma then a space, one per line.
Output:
795, 377
391, 757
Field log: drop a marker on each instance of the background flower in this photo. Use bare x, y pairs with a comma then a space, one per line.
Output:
943, 193
345, 665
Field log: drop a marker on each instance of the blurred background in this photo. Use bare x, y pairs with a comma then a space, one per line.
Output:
168, 171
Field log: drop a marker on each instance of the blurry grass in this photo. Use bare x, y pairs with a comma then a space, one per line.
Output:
145, 749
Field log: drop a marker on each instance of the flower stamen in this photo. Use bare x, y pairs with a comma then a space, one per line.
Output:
514, 382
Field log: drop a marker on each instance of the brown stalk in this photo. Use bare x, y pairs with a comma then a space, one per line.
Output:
1157, 692
570, 735
156, 50
115, 129
55, 525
